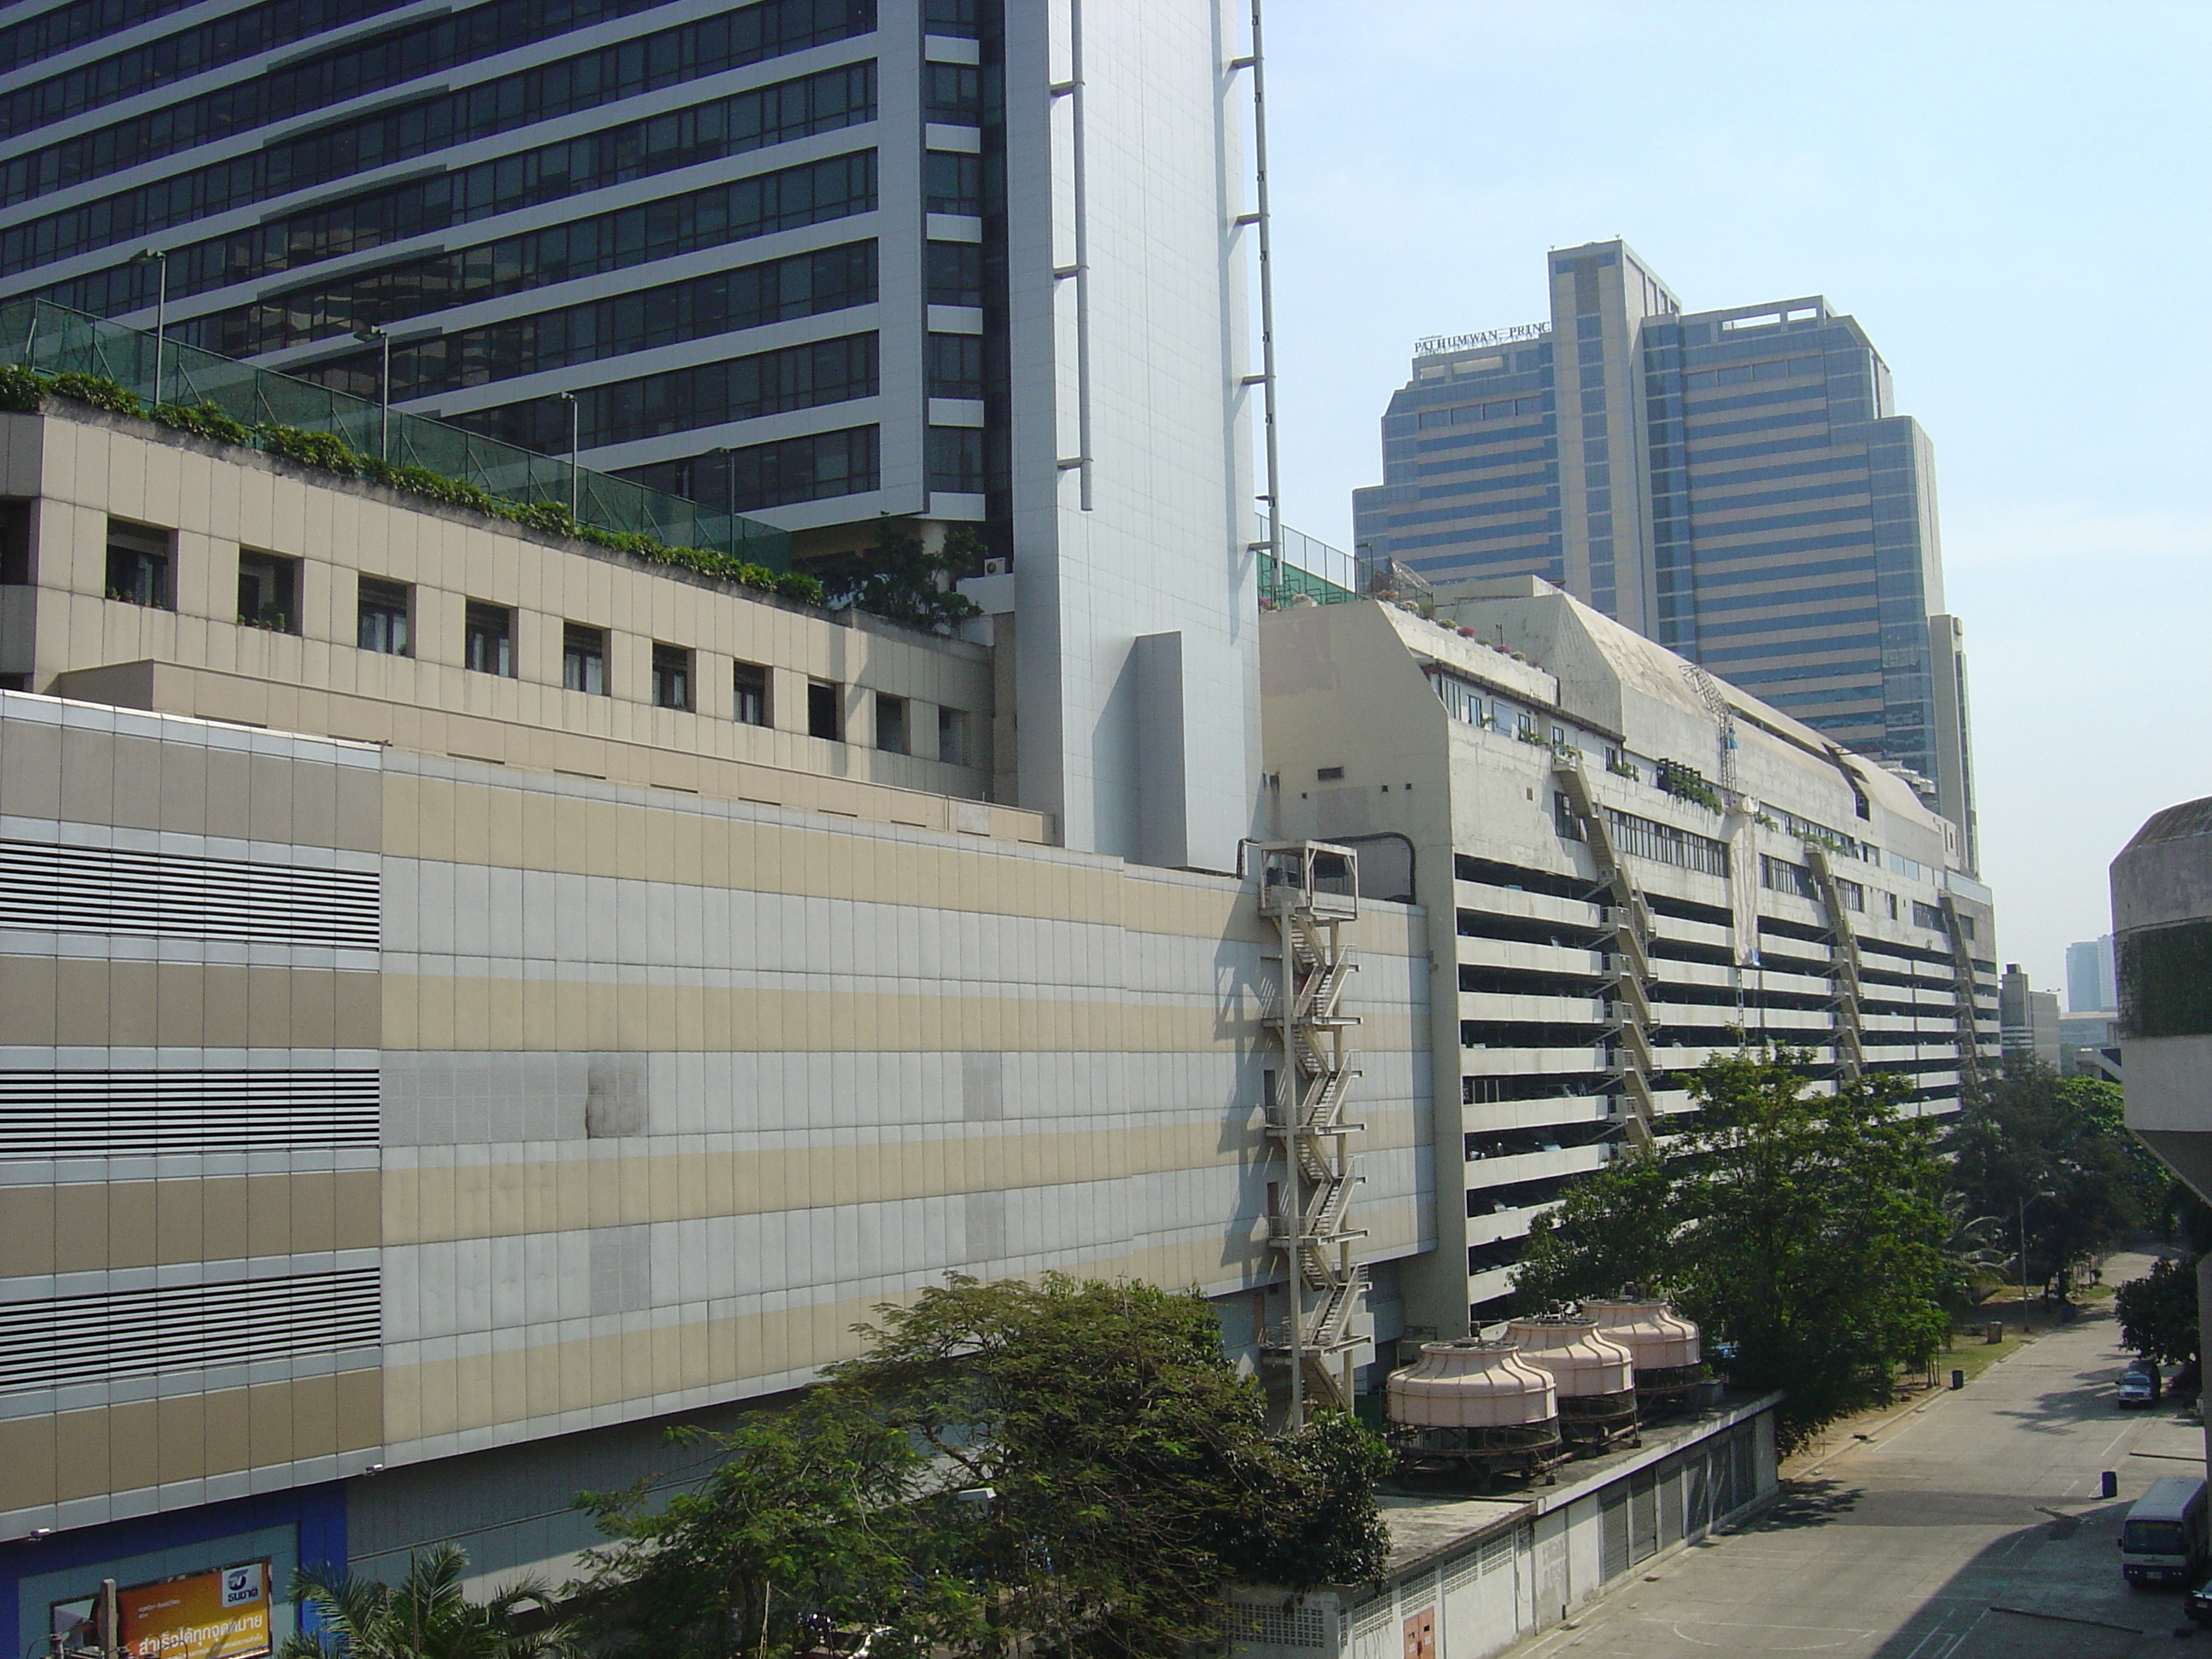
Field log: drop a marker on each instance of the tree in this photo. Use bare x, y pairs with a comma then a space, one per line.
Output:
2052, 1155
1802, 1231
1108, 1471
426, 1616
899, 580
2158, 1313
806, 1518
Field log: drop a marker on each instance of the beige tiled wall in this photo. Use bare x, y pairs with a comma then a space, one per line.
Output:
84, 467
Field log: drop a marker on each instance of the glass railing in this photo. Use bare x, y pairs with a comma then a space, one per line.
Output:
40, 335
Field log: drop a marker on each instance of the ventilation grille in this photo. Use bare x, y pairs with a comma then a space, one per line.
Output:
47, 1115
102, 890
185, 1327
1299, 1625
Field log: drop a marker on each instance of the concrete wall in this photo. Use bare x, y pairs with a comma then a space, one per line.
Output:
664, 1093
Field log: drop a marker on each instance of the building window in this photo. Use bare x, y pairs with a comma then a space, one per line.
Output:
960, 18
954, 273
952, 182
952, 736
488, 638
955, 459
268, 591
16, 544
955, 366
711, 215
750, 681
955, 95
671, 676
584, 660
809, 469
890, 724
824, 710
382, 610
138, 557
683, 399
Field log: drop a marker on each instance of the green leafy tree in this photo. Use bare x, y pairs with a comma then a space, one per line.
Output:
2158, 1312
1802, 1231
1107, 1470
806, 1519
2052, 1158
426, 1616
901, 581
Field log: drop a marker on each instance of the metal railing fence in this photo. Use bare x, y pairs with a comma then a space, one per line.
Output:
40, 335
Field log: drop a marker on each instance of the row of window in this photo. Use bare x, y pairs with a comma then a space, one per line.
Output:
173, 58
810, 468
377, 139
56, 30
746, 388
1497, 409
825, 102
721, 302
140, 571
711, 216
359, 67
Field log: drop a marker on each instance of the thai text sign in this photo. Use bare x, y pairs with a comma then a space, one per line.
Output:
223, 1614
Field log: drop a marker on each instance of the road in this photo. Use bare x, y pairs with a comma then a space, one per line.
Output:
1968, 1530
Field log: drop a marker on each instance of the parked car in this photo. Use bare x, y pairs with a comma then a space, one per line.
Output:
2140, 1384
2200, 1603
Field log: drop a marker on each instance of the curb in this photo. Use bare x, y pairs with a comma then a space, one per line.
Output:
1860, 1437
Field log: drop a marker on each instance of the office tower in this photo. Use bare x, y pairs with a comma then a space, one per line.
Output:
945, 262
2029, 1018
2091, 986
1736, 484
1548, 786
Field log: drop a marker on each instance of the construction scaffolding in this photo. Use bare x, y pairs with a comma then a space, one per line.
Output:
1309, 892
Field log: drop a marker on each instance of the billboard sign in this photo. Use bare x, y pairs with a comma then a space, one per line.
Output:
218, 1614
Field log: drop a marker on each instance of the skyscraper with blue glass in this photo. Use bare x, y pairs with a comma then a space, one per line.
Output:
1736, 484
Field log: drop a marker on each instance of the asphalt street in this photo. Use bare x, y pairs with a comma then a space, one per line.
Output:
1969, 1529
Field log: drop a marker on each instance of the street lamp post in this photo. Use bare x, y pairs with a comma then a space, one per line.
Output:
378, 336
160, 261
576, 425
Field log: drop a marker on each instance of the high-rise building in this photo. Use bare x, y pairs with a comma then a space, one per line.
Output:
1736, 484
2030, 1019
2091, 985
825, 262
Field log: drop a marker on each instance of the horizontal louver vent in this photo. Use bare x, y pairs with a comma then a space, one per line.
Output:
45, 1114
185, 1327
104, 889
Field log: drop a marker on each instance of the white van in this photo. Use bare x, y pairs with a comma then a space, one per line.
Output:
2163, 1542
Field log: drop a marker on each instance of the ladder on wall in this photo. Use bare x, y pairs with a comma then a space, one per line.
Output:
1309, 892
1843, 970
1628, 960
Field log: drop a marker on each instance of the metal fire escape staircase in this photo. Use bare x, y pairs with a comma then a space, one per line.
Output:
1963, 1013
1628, 959
1843, 970
1309, 890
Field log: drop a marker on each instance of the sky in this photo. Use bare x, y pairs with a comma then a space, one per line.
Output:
2011, 199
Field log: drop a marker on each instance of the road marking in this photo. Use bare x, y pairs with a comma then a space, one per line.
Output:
1735, 1642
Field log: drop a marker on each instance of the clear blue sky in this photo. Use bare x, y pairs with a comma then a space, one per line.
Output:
2011, 198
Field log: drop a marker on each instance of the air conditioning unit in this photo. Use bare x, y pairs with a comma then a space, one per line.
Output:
997, 566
